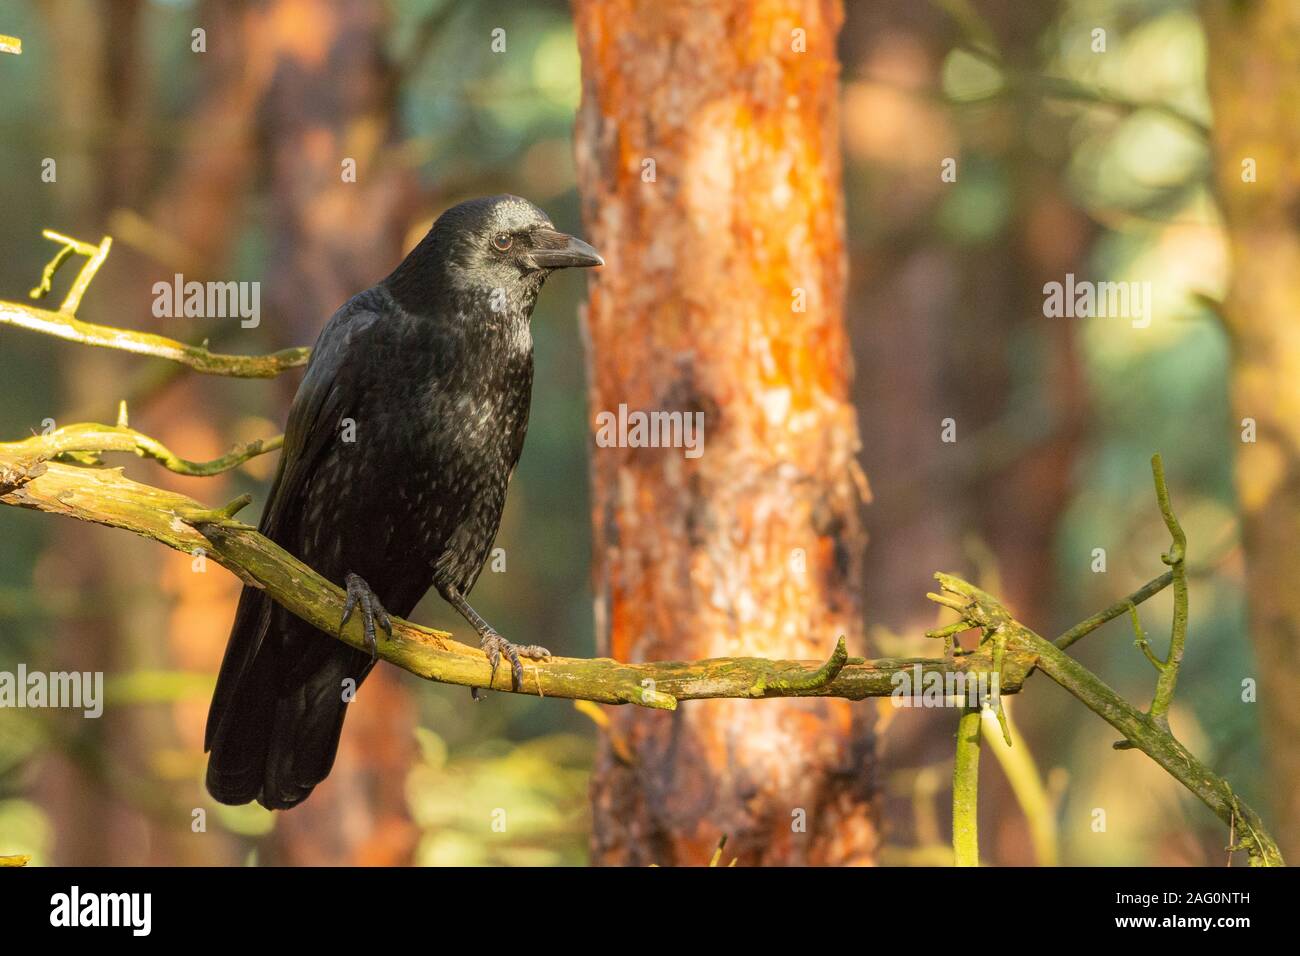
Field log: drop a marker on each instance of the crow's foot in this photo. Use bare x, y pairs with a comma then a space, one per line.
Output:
359, 593
494, 645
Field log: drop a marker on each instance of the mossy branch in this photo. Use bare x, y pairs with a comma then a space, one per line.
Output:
1176, 558
1120, 607
65, 325
32, 477
1140, 730
85, 442
1147, 732
196, 357
965, 789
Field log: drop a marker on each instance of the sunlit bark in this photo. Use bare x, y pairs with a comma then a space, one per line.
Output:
708, 160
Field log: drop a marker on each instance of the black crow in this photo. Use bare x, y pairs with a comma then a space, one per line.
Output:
400, 443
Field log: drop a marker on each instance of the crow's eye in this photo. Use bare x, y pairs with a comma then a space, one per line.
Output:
501, 241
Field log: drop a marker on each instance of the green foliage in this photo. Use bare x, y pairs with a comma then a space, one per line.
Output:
502, 805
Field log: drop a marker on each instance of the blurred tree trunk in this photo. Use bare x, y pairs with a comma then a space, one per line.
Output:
117, 812
954, 325
941, 325
98, 826
1254, 79
293, 88
1028, 418
708, 159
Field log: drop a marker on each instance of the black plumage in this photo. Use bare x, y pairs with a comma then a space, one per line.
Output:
400, 443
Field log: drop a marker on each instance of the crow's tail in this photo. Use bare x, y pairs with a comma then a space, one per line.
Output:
278, 709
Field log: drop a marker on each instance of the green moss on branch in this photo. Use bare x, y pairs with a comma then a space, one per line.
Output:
1144, 733
105, 496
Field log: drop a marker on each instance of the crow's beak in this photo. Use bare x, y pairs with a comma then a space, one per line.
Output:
556, 250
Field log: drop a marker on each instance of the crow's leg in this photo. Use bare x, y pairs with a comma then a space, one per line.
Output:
359, 593
494, 645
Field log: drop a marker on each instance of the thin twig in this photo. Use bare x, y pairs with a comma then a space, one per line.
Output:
199, 358
92, 438
1176, 558
1140, 638
1088, 625
965, 790
95, 256
64, 324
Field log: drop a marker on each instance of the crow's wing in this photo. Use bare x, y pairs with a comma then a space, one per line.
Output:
314, 418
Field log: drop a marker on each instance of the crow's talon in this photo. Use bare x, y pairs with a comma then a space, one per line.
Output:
494, 645
359, 593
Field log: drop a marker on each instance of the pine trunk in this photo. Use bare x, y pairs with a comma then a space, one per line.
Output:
709, 164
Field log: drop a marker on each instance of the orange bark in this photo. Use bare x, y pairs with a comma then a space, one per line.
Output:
755, 547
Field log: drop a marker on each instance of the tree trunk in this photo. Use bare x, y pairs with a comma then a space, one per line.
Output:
708, 159
1254, 78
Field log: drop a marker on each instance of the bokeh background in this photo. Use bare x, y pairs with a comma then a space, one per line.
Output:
225, 164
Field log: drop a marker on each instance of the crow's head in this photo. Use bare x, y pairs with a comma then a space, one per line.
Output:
495, 245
